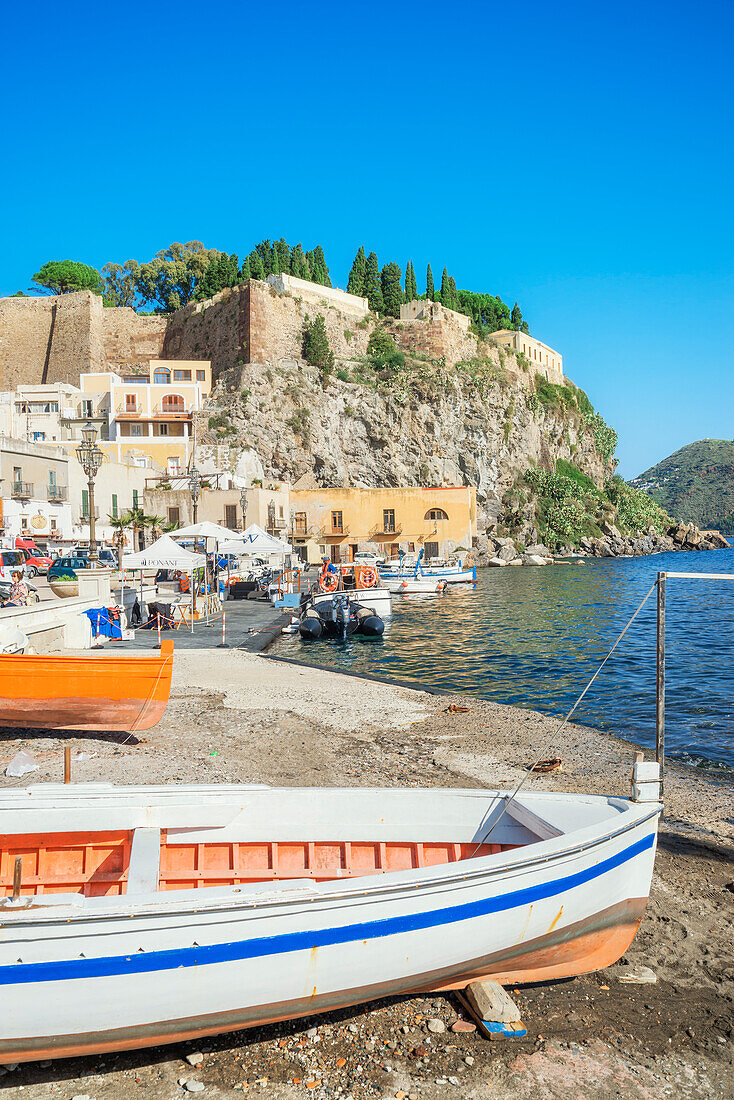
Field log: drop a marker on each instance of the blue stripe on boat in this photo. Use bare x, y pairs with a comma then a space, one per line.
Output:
146, 962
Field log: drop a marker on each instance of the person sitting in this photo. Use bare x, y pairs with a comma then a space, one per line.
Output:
19, 591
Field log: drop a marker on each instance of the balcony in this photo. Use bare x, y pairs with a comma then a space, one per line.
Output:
22, 490
57, 493
336, 532
277, 524
385, 530
84, 515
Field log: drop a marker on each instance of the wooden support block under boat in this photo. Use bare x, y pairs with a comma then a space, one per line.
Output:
125, 692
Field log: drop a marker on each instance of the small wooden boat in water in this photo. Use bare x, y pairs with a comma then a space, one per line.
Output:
126, 692
140, 915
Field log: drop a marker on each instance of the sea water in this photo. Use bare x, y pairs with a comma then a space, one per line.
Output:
533, 637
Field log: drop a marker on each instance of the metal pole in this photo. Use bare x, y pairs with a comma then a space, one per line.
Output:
92, 528
660, 692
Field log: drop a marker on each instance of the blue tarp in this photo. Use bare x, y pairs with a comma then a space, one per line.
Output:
104, 622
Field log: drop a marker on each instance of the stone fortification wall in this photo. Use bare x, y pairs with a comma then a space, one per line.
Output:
437, 333
318, 295
57, 338
129, 340
257, 323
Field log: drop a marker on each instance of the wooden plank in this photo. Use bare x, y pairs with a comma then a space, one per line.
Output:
145, 862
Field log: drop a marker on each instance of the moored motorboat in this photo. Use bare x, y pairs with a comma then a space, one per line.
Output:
360, 583
419, 586
126, 692
412, 566
135, 916
339, 617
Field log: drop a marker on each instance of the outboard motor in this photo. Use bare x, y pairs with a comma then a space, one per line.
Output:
341, 615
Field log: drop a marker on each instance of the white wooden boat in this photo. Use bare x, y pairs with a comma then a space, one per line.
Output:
451, 572
416, 586
145, 915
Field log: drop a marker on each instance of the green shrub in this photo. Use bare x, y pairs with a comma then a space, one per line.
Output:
635, 509
567, 469
315, 345
343, 375
382, 353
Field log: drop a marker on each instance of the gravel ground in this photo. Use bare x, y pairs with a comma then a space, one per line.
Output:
238, 717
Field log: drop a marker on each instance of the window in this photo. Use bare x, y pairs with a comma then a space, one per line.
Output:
136, 429
85, 502
230, 516
280, 511
201, 376
174, 464
182, 376
87, 407
173, 402
135, 498
436, 513
114, 505
52, 521
131, 402
38, 437
24, 523
162, 376
388, 519
162, 429
52, 479
300, 522
337, 522
174, 516
431, 550
17, 475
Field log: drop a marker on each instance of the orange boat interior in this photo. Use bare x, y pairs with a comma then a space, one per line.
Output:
98, 864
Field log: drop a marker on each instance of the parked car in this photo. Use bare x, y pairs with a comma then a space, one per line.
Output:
35, 562
363, 557
65, 568
105, 556
10, 560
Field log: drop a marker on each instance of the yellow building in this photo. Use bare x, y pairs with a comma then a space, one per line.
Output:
339, 522
150, 415
543, 360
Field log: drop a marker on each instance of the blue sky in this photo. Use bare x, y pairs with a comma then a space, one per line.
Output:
576, 157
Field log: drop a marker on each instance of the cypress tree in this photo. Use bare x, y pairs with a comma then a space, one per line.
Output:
445, 295
454, 293
298, 265
430, 292
392, 292
411, 289
516, 317
257, 268
245, 270
372, 287
358, 274
282, 256
265, 251
317, 264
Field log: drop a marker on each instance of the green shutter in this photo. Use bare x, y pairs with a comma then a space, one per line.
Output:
135, 498
114, 505
85, 502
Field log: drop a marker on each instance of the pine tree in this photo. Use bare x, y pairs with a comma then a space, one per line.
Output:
315, 346
516, 317
372, 287
430, 292
392, 292
358, 274
411, 289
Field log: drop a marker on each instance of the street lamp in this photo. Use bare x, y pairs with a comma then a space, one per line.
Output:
243, 506
90, 459
195, 488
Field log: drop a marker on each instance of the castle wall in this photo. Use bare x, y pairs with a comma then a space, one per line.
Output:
55, 339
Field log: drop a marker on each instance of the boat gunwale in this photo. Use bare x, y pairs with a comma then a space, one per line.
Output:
169, 903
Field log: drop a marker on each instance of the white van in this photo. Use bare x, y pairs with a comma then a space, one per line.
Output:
10, 561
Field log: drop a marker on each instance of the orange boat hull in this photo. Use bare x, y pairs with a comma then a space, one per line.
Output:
125, 693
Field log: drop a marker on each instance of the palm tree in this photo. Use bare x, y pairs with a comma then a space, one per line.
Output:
169, 527
137, 522
156, 524
120, 525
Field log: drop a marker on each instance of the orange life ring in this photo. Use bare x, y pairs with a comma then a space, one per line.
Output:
367, 576
328, 582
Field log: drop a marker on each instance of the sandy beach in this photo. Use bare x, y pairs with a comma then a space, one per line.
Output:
239, 717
